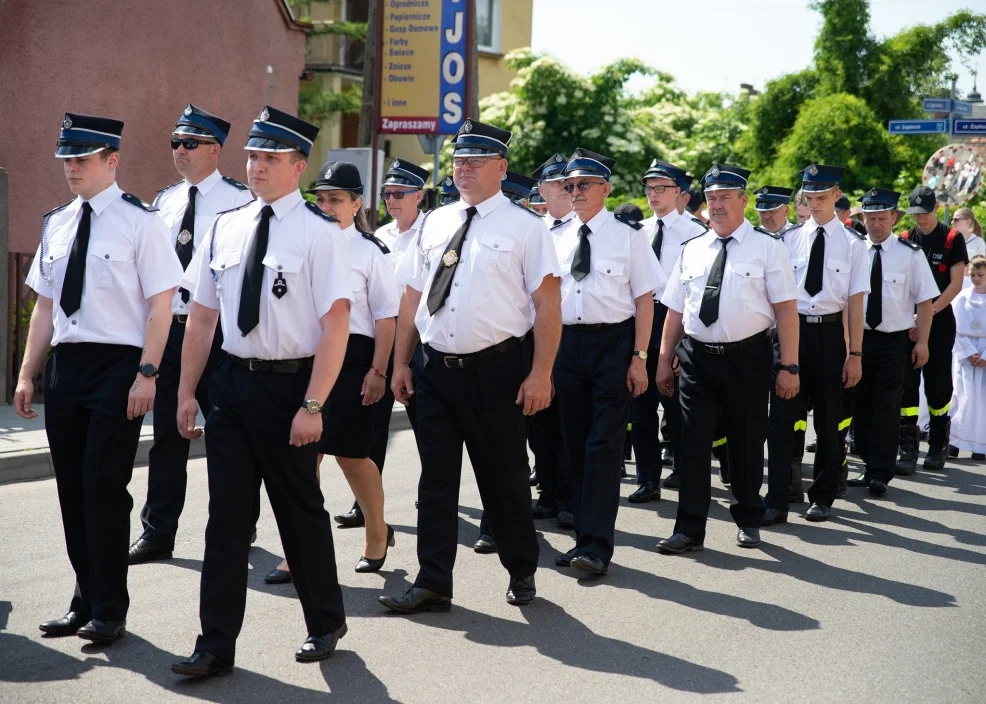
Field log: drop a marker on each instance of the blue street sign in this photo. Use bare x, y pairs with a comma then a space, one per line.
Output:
918, 126
937, 105
961, 108
970, 127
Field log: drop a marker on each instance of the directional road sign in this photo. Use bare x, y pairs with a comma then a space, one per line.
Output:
961, 108
970, 126
919, 126
937, 105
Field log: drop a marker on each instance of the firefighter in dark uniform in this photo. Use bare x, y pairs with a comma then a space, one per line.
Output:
105, 274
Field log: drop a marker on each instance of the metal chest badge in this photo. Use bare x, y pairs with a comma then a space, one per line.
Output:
280, 286
184, 237
450, 258
975, 325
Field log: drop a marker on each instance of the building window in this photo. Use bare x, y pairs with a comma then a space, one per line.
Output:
488, 25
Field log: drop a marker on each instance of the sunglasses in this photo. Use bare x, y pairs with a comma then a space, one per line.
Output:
396, 195
582, 187
474, 162
188, 143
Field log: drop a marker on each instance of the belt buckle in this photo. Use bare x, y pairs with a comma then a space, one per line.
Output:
813, 319
181, 317
714, 349
453, 362
250, 363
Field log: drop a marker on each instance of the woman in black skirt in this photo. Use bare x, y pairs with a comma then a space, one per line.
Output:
348, 418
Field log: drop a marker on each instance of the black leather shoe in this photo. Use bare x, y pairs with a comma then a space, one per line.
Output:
565, 560
102, 631
143, 550
368, 564
667, 457
521, 591
542, 511
811, 447
672, 481
817, 513
773, 516
565, 520
202, 664
320, 647
67, 625
278, 577
485, 545
352, 519
533, 477
978, 456
588, 563
416, 600
953, 451
859, 480
724, 474
648, 491
877, 488
678, 544
748, 537
935, 459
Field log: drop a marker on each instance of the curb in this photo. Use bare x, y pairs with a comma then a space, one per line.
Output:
32, 465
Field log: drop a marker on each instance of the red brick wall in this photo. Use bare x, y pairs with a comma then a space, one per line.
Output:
140, 63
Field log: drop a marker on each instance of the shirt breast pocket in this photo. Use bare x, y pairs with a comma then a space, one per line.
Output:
747, 281
694, 282
111, 265
894, 284
55, 262
612, 276
225, 269
284, 265
838, 272
495, 253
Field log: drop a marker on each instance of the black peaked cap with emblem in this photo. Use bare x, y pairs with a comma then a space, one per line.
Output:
404, 173
553, 169
84, 135
723, 177
877, 200
338, 176
476, 138
588, 163
276, 131
817, 178
773, 197
197, 122
517, 186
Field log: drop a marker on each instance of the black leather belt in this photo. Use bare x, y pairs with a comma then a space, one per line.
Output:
180, 318
817, 319
592, 327
722, 348
462, 361
274, 366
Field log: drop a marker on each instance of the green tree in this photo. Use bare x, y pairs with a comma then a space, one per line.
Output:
772, 116
844, 47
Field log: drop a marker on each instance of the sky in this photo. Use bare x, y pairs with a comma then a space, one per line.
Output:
749, 41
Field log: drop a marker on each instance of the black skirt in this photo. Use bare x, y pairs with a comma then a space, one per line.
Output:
347, 425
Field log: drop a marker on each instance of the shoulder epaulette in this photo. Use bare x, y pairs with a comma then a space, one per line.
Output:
168, 188
690, 239
561, 224
526, 209
632, 222
695, 219
908, 243
55, 210
774, 235
314, 208
230, 210
134, 200
377, 241
854, 231
236, 184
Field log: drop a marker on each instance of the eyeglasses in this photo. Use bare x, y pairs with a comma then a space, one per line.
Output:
583, 187
188, 143
656, 190
474, 162
396, 195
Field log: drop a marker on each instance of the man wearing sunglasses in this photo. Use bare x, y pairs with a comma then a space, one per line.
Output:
610, 277
188, 208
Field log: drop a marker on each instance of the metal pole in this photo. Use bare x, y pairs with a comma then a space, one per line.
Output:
5, 317
375, 120
951, 133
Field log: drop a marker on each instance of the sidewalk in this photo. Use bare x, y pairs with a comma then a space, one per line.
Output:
24, 453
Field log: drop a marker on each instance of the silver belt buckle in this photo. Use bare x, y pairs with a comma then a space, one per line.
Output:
453, 362
813, 319
714, 349
181, 317
250, 365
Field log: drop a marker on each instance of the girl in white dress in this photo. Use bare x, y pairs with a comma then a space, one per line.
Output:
968, 431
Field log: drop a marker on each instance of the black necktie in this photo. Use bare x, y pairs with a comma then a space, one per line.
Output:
187, 225
253, 276
75, 270
580, 262
709, 312
441, 285
659, 239
874, 305
816, 261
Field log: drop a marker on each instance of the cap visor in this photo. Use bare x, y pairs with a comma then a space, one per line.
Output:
194, 131
585, 172
818, 187
764, 207
921, 210
475, 151
401, 181
725, 187
68, 151
262, 144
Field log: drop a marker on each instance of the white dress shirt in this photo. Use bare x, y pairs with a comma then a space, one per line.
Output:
550, 220
757, 276
401, 246
308, 252
214, 196
506, 255
374, 285
907, 281
678, 229
622, 267
129, 259
844, 273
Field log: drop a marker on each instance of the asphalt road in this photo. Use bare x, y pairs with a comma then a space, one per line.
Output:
885, 603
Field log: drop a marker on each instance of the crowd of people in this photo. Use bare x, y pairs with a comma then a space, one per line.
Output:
519, 313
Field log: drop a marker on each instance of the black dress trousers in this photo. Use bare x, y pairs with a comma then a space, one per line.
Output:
937, 378
822, 356
544, 434
722, 391
247, 438
594, 407
92, 451
875, 425
647, 427
472, 407
168, 457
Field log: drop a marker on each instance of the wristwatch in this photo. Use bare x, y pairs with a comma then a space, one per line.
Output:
855, 354
312, 406
148, 370
640, 353
789, 368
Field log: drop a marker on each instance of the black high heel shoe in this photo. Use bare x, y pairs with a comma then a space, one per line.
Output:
367, 564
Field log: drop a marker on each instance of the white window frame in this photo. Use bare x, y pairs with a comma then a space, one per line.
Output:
496, 17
